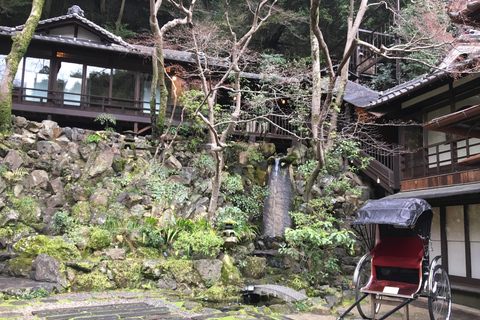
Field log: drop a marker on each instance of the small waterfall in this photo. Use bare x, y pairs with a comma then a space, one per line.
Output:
277, 204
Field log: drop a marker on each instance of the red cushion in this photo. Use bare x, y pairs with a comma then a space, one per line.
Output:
401, 252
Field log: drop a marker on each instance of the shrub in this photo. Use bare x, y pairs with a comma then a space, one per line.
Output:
313, 241
203, 244
99, 239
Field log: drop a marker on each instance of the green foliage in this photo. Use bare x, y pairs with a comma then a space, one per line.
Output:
313, 241
251, 202
151, 236
232, 183
14, 175
62, 221
343, 149
55, 247
204, 162
106, 119
165, 192
37, 294
99, 238
68, 226
254, 155
307, 168
202, 243
94, 138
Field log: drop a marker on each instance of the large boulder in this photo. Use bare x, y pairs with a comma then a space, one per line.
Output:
99, 163
13, 159
209, 270
46, 268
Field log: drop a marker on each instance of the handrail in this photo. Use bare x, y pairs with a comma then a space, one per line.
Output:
270, 125
439, 158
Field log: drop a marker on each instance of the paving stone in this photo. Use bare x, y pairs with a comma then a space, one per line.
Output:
143, 313
211, 316
7, 315
102, 296
98, 318
66, 316
18, 303
164, 316
48, 300
5, 308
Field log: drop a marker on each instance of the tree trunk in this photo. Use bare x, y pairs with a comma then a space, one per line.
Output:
19, 47
118, 23
316, 103
216, 184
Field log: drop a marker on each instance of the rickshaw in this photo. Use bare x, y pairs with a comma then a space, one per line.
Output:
397, 268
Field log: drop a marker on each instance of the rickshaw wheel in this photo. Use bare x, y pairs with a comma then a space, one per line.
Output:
439, 298
361, 277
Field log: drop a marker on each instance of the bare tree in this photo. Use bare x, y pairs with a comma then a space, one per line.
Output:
237, 50
427, 32
118, 22
19, 47
158, 61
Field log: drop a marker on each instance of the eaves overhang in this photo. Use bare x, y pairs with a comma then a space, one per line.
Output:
464, 122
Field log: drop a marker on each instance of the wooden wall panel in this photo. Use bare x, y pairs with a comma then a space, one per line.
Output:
444, 180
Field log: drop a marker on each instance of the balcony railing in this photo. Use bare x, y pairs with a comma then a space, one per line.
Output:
68, 100
67, 103
440, 158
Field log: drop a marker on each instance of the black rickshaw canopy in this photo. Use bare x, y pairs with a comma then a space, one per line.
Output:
396, 212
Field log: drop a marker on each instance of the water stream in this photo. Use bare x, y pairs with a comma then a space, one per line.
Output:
277, 204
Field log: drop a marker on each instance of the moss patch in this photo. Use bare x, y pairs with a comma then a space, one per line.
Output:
230, 275
183, 271
55, 247
92, 281
20, 267
127, 274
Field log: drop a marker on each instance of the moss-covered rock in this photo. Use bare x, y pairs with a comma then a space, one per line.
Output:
126, 274
267, 149
147, 253
99, 239
215, 293
230, 274
55, 247
255, 267
82, 265
82, 212
184, 272
153, 268
92, 281
20, 267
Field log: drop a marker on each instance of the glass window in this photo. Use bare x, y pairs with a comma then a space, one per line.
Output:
455, 228
97, 86
17, 82
474, 226
146, 92
69, 81
2, 64
36, 78
123, 87
440, 154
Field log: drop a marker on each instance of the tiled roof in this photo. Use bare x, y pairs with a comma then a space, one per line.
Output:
75, 16
405, 88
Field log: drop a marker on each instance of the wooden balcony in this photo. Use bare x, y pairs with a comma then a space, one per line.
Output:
456, 161
133, 112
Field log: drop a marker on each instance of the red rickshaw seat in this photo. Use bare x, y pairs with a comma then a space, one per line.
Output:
401, 260
400, 252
